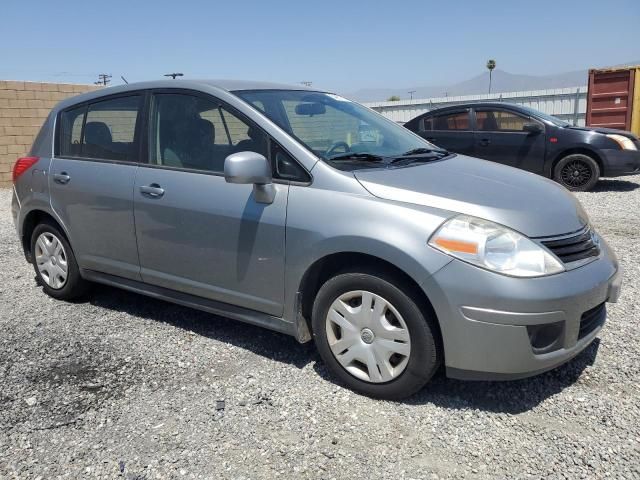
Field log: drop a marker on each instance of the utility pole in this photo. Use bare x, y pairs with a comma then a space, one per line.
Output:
103, 79
411, 92
306, 83
491, 64
174, 75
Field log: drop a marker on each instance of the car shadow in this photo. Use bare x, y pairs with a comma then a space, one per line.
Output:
269, 344
611, 185
516, 396
502, 397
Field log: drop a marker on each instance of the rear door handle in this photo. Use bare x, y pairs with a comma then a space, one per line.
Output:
154, 190
484, 142
61, 178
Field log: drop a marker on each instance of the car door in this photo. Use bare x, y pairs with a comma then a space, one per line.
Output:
451, 131
196, 233
509, 138
91, 182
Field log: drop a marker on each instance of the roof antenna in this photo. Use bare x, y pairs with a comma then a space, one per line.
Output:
174, 75
124, 79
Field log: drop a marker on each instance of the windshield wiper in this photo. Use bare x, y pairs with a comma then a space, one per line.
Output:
365, 157
420, 151
419, 155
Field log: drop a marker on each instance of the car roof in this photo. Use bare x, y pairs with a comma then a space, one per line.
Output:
513, 106
228, 85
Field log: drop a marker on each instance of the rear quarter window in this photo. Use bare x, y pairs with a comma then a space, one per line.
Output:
71, 130
427, 124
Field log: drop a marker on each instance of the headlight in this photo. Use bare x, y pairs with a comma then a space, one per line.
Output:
625, 143
493, 247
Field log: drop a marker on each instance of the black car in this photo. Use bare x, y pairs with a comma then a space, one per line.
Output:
525, 138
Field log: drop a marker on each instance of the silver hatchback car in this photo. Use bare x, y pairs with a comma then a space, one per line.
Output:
301, 211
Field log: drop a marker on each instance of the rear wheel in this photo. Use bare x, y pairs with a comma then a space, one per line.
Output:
577, 172
55, 263
373, 335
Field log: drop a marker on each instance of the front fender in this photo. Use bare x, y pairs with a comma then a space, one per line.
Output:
324, 222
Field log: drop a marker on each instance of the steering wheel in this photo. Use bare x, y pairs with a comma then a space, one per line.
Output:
337, 145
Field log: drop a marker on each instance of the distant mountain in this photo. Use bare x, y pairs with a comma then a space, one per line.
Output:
502, 82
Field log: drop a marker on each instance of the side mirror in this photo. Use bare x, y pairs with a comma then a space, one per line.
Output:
533, 128
251, 167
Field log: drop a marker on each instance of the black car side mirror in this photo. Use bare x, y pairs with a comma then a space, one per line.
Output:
532, 128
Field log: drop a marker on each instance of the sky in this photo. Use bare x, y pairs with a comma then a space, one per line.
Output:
340, 45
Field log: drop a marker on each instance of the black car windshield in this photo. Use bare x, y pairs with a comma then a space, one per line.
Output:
549, 118
336, 129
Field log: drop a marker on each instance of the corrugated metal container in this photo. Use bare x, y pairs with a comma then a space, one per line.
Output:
613, 99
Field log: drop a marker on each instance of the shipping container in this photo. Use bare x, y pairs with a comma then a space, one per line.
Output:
613, 98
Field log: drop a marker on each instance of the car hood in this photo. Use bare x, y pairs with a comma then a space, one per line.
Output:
523, 201
605, 131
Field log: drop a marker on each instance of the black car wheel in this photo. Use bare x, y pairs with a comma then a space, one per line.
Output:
577, 172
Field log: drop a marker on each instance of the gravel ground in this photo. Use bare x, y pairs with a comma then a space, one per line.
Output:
123, 386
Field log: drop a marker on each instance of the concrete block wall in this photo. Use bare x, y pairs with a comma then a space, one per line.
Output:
23, 108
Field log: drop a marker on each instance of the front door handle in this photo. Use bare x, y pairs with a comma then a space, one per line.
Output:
484, 142
62, 178
154, 190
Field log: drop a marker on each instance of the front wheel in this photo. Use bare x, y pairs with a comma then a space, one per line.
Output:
577, 172
372, 335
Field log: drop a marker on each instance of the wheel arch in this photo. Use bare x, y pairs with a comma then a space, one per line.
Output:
590, 152
331, 264
31, 220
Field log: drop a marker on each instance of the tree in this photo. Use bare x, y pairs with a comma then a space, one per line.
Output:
393, 98
491, 64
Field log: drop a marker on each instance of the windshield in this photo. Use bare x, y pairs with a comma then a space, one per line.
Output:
336, 129
549, 118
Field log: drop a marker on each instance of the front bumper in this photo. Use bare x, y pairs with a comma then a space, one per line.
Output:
485, 318
620, 162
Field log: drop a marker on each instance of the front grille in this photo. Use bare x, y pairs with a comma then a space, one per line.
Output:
574, 248
592, 319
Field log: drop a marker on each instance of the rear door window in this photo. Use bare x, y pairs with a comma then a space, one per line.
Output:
103, 130
110, 128
451, 121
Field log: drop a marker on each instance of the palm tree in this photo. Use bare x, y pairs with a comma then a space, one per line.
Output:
491, 64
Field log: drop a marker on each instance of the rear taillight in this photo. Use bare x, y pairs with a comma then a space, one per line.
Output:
22, 165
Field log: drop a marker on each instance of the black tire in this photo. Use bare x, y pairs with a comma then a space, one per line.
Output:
75, 286
577, 172
425, 351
